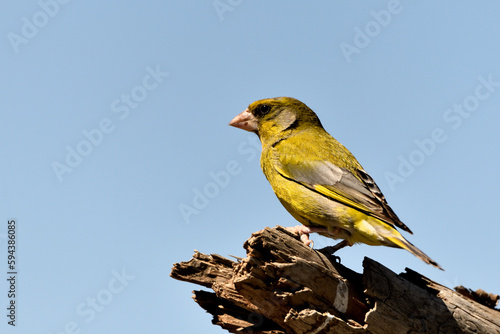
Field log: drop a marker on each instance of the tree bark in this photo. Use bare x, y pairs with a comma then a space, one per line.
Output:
282, 286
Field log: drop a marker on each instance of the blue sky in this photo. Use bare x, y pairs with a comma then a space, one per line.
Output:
114, 121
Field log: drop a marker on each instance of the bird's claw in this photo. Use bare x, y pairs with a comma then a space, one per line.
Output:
305, 240
303, 232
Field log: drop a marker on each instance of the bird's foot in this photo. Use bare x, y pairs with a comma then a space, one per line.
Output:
304, 231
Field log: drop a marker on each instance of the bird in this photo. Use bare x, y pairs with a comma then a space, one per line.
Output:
318, 181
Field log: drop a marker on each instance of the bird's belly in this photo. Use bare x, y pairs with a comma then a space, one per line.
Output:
313, 209
343, 222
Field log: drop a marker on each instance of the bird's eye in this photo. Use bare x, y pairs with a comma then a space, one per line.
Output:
262, 109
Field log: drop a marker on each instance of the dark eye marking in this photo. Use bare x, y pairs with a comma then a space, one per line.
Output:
262, 109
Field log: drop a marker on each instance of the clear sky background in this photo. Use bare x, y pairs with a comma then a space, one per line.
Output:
113, 117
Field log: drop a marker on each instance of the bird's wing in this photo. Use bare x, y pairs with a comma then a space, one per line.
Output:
357, 191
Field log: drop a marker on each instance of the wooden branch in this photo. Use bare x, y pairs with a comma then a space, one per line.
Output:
282, 286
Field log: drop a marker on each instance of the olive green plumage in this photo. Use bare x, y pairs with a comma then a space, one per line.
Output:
317, 179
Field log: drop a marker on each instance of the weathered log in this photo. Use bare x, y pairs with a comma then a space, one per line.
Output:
282, 286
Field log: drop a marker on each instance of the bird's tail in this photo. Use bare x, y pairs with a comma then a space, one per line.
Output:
405, 244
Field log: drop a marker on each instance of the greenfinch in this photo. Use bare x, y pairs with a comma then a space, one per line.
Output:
318, 180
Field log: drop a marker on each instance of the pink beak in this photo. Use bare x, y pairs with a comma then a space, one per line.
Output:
245, 121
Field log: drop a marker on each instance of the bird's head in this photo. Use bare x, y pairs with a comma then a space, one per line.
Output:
271, 118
